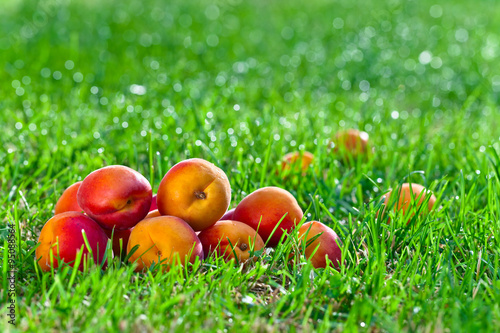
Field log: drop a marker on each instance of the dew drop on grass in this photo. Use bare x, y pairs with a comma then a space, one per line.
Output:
137, 89
338, 23
212, 40
425, 57
45, 72
78, 77
19, 91
69, 64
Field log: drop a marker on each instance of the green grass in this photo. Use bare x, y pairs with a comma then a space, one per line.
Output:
241, 83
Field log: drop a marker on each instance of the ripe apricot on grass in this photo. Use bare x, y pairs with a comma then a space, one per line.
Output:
407, 197
67, 201
196, 191
62, 237
153, 213
166, 239
115, 196
230, 239
297, 161
228, 215
263, 209
351, 143
154, 206
323, 247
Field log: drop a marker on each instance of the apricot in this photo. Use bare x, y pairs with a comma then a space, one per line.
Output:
115, 196
297, 161
406, 198
351, 143
263, 209
228, 215
153, 213
62, 237
230, 239
68, 201
119, 236
327, 244
154, 206
196, 191
166, 239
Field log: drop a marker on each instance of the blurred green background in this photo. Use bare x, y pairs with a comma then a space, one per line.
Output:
233, 73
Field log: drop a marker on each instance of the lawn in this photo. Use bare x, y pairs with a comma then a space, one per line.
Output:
147, 84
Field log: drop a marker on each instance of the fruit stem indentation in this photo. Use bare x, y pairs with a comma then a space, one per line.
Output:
200, 195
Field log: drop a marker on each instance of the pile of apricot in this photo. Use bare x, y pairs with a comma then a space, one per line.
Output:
188, 218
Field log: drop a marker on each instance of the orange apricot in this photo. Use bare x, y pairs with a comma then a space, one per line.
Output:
407, 198
351, 143
230, 239
164, 240
296, 160
68, 201
196, 191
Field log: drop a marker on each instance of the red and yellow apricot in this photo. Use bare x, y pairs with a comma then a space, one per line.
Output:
153, 213
351, 143
164, 240
297, 161
115, 196
68, 201
228, 215
324, 247
61, 238
196, 191
154, 206
265, 208
407, 197
230, 239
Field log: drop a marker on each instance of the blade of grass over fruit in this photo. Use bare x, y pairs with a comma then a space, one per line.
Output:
78, 260
266, 161
158, 163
